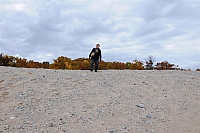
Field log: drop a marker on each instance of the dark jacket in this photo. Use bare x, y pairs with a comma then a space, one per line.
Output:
97, 55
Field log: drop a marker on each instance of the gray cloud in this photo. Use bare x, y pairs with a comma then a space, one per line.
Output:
42, 30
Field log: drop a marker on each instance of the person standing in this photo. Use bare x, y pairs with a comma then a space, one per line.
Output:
95, 56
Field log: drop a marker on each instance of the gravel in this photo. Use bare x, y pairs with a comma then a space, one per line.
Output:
112, 101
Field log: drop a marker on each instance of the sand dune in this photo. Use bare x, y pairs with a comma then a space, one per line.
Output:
109, 101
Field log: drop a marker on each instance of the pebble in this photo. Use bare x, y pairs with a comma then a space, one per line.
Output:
141, 105
84, 110
148, 116
12, 117
51, 125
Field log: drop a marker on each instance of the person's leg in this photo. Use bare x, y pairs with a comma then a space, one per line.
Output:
91, 64
96, 65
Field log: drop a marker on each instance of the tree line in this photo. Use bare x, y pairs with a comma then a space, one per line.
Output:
63, 62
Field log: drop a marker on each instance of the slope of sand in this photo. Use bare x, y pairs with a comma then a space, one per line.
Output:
109, 101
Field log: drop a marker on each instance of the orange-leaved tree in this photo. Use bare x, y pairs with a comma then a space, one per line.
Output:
137, 65
61, 63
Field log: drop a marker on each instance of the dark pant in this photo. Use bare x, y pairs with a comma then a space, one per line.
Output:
96, 61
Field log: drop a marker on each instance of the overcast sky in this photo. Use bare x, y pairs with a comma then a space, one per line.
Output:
42, 30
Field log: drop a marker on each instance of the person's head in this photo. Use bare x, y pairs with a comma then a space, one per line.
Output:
97, 45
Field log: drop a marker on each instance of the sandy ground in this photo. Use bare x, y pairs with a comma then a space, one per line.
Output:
109, 101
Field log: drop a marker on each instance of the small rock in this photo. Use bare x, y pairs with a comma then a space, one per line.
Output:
148, 116
84, 110
141, 105
12, 117
51, 125
63, 122
6, 127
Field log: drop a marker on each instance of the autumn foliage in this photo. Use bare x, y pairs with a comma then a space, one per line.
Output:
63, 62
6, 60
165, 65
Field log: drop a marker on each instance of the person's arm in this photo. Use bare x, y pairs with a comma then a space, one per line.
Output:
91, 53
100, 54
